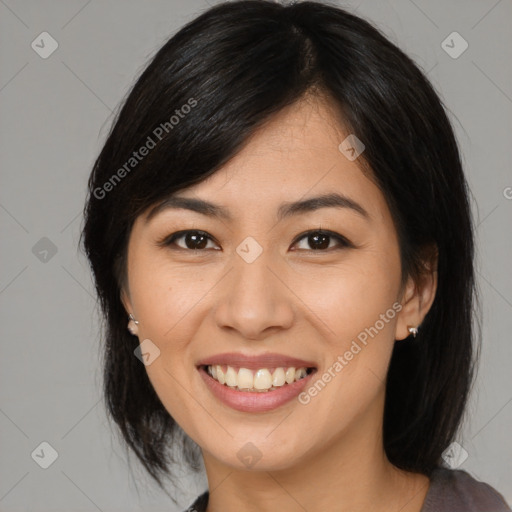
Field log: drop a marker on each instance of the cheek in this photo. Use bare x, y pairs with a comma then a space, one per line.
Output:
358, 310
166, 296
351, 297
357, 347
169, 304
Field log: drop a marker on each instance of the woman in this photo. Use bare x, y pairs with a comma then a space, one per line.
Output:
282, 244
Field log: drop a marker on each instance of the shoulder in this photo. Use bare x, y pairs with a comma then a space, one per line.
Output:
200, 504
457, 491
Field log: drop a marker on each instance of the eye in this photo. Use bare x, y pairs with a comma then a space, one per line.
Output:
318, 239
193, 239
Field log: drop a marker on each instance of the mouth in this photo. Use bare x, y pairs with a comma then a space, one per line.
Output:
262, 380
267, 391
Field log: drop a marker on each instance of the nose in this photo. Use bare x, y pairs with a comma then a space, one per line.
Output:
255, 300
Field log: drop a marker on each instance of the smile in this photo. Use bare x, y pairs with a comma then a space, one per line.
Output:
261, 380
252, 399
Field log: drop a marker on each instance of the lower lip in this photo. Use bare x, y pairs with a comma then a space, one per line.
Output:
247, 401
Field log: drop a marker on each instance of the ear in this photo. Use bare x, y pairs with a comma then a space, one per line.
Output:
418, 295
125, 299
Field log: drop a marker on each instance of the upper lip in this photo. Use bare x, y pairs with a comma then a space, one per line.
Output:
255, 362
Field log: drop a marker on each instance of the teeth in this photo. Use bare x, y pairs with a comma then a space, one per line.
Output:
300, 373
261, 380
245, 379
231, 377
278, 377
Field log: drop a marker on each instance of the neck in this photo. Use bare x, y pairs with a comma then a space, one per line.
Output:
350, 473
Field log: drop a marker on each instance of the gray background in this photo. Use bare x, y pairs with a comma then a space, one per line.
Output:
54, 115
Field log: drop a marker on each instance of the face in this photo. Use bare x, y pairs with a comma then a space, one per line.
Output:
259, 282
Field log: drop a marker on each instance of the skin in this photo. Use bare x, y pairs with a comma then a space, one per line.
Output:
327, 454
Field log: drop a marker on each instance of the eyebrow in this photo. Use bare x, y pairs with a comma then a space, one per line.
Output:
333, 200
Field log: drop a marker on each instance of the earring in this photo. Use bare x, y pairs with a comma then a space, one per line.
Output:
413, 331
132, 325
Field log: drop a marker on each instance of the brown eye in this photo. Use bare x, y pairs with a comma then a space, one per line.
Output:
192, 240
320, 240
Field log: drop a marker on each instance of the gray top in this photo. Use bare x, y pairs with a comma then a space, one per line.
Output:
449, 491
457, 491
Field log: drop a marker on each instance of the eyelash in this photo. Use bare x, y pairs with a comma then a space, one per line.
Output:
169, 240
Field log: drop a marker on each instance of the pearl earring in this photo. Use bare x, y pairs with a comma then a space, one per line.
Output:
131, 325
413, 331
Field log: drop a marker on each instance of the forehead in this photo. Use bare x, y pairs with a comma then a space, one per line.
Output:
294, 156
